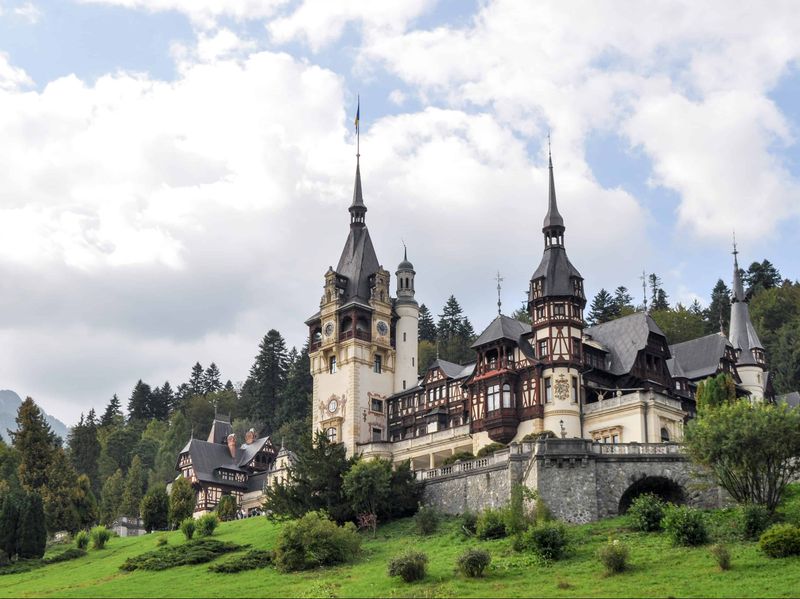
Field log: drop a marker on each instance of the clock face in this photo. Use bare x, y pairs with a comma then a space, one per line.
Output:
383, 328
329, 329
333, 405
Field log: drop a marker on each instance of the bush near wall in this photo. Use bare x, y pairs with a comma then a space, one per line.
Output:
314, 540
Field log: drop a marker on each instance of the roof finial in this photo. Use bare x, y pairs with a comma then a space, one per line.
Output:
499, 280
549, 152
738, 287
644, 290
358, 132
405, 250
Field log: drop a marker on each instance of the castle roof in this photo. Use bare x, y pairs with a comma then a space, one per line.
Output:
624, 338
697, 358
502, 327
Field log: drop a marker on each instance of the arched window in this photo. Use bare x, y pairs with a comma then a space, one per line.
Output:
664, 435
331, 434
506, 395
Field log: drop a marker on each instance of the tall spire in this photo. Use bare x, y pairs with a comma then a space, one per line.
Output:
553, 227
738, 287
357, 208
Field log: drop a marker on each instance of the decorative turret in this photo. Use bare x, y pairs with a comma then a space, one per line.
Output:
750, 358
357, 209
556, 302
407, 328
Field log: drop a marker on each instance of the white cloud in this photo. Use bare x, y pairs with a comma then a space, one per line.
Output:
11, 77
608, 67
204, 13
320, 22
29, 12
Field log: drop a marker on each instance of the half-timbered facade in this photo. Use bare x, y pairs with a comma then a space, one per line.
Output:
615, 382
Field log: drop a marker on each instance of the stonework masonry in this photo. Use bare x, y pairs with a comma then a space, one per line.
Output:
578, 480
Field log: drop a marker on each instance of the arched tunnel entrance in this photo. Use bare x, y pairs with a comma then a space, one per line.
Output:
663, 487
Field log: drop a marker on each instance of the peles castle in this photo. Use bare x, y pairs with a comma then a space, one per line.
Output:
619, 382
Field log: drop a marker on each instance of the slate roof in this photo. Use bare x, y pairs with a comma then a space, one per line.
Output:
624, 338
453, 370
791, 399
742, 334
207, 457
697, 358
502, 327
557, 271
220, 429
553, 218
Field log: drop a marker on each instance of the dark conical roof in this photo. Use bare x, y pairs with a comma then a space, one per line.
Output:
358, 261
553, 218
405, 264
743, 334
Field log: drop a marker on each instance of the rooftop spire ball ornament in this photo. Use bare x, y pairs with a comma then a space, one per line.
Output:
499, 280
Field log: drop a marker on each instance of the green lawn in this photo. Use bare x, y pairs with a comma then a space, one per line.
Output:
659, 570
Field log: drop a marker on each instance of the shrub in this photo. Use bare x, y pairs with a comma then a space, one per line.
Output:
187, 528
469, 521
253, 559
722, 556
685, 526
491, 524
753, 520
460, 456
65, 556
517, 517
315, 540
549, 541
154, 509
473, 562
781, 540
181, 500
646, 512
427, 520
170, 556
614, 556
489, 449
206, 525
409, 566
82, 539
541, 511
100, 536
537, 436
227, 508
161, 541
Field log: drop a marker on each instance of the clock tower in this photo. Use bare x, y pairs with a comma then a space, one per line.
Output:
353, 340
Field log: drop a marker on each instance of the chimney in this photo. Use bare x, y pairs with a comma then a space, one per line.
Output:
232, 444
250, 436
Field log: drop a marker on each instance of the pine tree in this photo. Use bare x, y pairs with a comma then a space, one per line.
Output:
760, 276
113, 413
35, 442
10, 505
161, 401
623, 302
661, 302
296, 404
427, 328
658, 297
265, 384
602, 308
521, 314
229, 386
454, 333
32, 534
181, 501
59, 493
719, 310
211, 382
135, 483
84, 448
154, 509
140, 404
196, 379
111, 500
85, 503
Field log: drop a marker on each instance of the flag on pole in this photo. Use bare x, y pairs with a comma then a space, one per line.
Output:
358, 113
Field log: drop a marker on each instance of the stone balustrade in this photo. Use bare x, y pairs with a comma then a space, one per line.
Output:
628, 399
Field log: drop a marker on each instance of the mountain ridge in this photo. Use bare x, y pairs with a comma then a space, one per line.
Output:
10, 402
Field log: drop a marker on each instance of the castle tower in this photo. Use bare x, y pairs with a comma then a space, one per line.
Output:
556, 302
407, 327
750, 357
352, 340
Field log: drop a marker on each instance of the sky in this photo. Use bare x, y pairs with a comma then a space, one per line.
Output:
175, 174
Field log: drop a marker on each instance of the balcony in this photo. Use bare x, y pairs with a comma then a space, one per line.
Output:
501, 425
350, 334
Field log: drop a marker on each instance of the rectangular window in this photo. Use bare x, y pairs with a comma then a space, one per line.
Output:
404, 336
493, 398
332, 365
548, 390
376, 405
404, 383
540, 313
412, 361
377, 435
377, 366
558, 310
543, 348
574, 390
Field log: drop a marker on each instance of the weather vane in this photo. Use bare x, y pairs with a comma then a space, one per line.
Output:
499, 280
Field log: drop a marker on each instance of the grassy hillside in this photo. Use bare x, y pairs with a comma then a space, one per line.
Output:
659, 570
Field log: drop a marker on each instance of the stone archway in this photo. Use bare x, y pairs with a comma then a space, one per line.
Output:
666, 488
